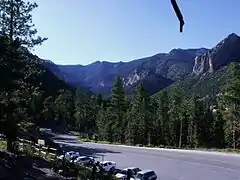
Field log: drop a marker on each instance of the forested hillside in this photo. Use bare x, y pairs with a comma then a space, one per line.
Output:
31, 96
198, 110
171, 120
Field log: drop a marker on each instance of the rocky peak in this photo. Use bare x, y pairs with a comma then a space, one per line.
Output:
173, 52
201, 51
134, 77
232, 37
224, 52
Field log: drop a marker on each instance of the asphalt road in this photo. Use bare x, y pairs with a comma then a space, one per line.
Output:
168, 165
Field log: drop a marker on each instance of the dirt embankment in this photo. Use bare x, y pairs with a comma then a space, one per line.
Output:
13, 167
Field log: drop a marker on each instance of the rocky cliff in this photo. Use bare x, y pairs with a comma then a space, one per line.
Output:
209, 70
228, 50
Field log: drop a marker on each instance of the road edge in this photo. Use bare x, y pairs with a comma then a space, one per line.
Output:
171, 150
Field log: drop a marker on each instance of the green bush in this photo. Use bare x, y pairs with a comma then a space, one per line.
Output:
81, 172
83, 136
3, 144
161, 146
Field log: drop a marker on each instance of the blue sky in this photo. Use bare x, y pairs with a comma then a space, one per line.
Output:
84, 31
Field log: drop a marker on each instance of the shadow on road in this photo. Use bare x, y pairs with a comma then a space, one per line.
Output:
95, 152
71, 143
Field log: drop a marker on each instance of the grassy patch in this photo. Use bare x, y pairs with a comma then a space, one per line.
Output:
93, 141
226, 150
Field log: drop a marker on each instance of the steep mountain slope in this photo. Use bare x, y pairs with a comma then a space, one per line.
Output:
30, 66
209, 70
25, 85
155, 72
150, 80
65, 76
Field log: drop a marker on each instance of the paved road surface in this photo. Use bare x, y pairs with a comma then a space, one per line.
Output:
169, 165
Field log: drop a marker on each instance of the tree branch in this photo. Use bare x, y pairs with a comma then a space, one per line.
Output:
178, 13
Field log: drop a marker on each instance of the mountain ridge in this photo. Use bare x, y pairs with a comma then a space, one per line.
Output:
155, 72
100, 75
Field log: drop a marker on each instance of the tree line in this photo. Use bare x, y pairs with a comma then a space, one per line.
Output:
167, 120
171, 120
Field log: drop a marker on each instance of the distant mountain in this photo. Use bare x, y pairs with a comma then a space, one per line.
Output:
209, 70
199, 71
155, 72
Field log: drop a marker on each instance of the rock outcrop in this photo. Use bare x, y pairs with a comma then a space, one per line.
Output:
228, 50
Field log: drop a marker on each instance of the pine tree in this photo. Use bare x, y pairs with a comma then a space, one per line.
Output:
17, 29
163, 119
99, 100
64, 109
91, 109
176, 117
186, 120
132, 128
218, 130
207, 128
143, 116
153, 135
47, 110
80, 101
118, 108
101, 123
16, 22
196, 117
36, 102
110, 125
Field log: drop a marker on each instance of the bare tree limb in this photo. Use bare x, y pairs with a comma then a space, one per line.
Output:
178, 13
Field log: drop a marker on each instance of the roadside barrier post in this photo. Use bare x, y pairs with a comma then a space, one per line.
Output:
39, 151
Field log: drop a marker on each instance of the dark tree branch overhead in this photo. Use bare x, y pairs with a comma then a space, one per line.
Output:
178, 13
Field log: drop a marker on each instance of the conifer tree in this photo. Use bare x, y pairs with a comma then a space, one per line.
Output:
163, 119
18, 30
118, 108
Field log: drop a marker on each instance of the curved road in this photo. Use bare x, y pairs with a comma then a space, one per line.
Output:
168, 164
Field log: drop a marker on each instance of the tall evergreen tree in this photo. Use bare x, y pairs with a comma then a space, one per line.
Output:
118, 107
17, 29
218, 133
101, 123
47, 110
163, 119
143, 115
153, 135
131, 128
207, 128
176, 117
64, 109
196, 116
16, 22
